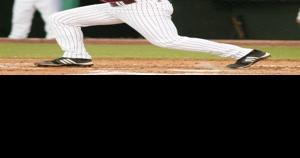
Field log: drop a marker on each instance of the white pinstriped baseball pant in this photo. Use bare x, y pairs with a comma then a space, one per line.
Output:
152, 19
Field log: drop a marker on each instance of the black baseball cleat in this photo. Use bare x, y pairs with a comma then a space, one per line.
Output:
64, 62
249, 59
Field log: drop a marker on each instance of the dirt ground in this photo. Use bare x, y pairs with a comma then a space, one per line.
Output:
151, 67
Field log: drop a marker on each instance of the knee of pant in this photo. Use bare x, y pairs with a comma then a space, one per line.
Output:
55, 19
167, 43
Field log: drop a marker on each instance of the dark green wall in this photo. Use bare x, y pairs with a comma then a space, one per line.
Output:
269, 20
272, 19
5, 15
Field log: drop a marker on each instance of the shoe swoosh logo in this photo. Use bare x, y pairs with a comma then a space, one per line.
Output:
67, 61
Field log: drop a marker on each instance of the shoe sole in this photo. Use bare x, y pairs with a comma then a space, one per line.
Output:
75, 65
267, 55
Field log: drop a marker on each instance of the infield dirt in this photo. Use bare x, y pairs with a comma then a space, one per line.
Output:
150, 67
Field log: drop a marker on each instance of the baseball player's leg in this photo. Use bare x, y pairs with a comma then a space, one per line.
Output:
23, 11
155, 25
47, 8
298, 17
67, 27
